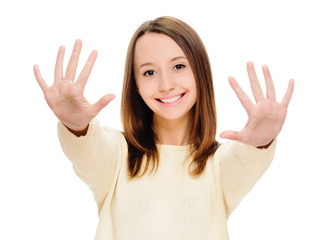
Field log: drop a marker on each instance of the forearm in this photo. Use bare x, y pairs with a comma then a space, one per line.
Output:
241, 167
96, 156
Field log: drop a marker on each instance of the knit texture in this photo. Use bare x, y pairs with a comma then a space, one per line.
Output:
167, 203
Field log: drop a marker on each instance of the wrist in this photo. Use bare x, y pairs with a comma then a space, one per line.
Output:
265, 146
77, 131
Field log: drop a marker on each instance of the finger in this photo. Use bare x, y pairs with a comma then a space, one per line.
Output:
73, 61
39, 78
231, 135
255, 86
58, 72
270, 89
102, 103
84, 75
242, 96
287, 97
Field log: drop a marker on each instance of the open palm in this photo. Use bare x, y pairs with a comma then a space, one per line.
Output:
65, 97
266, 117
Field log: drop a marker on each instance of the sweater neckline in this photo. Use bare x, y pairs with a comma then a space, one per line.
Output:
167, 147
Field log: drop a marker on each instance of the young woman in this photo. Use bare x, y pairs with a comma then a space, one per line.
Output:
165, 176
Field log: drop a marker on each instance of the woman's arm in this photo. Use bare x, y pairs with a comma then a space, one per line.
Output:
95, 153
241, 166
96, 157
244, 161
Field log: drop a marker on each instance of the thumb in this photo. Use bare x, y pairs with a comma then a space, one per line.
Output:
231, 135
102, 103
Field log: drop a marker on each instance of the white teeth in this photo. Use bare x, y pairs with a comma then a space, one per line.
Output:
171, 100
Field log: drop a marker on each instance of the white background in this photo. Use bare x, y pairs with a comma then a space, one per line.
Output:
41, 197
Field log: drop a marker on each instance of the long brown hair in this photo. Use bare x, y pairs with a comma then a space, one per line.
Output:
137, 117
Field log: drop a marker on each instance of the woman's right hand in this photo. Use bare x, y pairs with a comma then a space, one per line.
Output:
65, 96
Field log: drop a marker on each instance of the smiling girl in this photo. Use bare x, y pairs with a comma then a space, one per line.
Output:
165, 176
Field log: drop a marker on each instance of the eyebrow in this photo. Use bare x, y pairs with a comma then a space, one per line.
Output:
171, 60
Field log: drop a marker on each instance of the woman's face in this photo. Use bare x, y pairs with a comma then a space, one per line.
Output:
164, 77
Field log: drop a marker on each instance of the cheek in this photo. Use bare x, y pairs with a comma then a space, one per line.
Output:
145, 90
193, 86
194, 92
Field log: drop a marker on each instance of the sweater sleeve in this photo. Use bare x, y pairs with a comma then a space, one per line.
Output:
241, 166
96, 157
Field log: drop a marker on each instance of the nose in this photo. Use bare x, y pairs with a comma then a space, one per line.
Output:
166, 83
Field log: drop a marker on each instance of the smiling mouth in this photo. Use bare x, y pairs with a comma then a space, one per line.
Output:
170, 100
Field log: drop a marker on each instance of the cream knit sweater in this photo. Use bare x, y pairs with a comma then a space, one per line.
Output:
167, 204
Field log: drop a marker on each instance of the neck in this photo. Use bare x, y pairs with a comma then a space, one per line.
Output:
172, 132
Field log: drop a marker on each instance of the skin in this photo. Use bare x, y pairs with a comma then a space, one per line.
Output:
163, 71
266, 116
65, 98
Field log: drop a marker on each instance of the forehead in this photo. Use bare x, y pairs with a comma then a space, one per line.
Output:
156, 47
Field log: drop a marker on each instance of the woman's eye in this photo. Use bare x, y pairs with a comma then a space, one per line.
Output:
179, 66
149, 73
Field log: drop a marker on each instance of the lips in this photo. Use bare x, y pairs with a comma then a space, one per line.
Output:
171, 99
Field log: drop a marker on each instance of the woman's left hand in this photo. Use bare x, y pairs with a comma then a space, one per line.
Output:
266, 117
